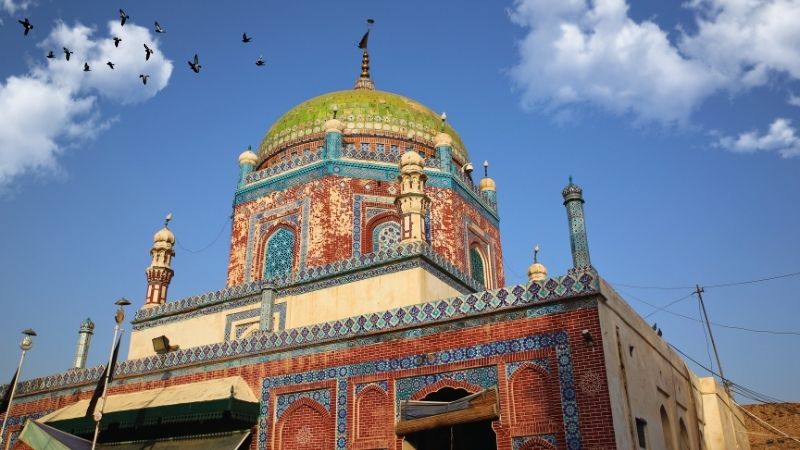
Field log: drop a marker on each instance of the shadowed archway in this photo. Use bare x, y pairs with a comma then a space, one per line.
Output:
467, 436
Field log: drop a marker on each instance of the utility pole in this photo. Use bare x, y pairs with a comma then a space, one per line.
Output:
725, 384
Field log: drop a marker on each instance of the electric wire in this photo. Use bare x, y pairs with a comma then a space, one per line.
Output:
716, 324
710, 286
219, 234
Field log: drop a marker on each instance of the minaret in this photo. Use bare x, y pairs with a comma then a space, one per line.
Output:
537, 271
444, 148
247, 162
364, 81
412, 200
333, 136
573, 201
159, 274
84, 339
487, 185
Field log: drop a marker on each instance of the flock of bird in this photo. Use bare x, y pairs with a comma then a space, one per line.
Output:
194, 64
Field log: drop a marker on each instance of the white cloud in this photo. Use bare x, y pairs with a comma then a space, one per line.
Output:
12, 6
781, 137
590, 52
793, 100
55, 105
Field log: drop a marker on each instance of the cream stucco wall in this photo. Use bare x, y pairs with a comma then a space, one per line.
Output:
724, 422
370, 295
193, 332
644, 375
373, 294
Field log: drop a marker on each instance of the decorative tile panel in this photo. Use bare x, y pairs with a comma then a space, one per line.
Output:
484, 376
577, 282
284, 401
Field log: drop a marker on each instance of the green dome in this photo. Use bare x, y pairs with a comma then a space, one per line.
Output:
361, 111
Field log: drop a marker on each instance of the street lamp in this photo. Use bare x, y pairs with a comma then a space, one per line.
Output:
25, 345
119, 317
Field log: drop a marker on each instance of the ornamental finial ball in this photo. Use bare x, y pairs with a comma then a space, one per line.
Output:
248, 157
411, 158
537, 271
443, 140
572, 192
334, 126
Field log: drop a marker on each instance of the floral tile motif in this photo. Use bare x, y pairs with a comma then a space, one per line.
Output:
284, 401
527, 296
484, 376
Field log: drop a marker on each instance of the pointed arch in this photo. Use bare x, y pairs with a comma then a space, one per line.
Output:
477, 264
383, 232
279, 254
306, 424
666, 429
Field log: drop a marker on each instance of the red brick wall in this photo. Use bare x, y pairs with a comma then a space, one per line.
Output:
518, 400
305, 425
331, 224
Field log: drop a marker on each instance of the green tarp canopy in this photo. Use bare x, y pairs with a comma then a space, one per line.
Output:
41, 436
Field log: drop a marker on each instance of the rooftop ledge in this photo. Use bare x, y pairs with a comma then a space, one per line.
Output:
577, 283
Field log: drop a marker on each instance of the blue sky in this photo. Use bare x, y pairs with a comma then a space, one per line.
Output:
678, 121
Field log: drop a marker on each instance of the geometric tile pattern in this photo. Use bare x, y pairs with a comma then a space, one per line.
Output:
341, 272
284, 401
484, 376
575, 282
385, 236
513, 366
382, 384
279, 308
280, 254
518, 441
359, 223
476, 265
297, 161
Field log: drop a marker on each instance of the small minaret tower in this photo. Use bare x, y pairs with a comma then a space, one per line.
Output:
573, 201
412, 200
487, 185
84, 339
159, 273
537, 271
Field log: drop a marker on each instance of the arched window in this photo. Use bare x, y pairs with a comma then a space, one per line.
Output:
685, 443
666, 428
476, 266
385, 235
280, 254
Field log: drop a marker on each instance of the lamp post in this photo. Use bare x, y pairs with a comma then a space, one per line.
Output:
119, 317
25, 345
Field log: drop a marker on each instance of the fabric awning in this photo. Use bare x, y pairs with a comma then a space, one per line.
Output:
222, 404
41, 436
425, 415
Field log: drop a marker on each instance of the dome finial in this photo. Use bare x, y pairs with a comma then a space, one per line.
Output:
537, 271
444, 119
167, 220
364, 81
536, 253
485, 168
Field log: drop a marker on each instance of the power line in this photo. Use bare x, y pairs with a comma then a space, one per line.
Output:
710, 286
716, 324
219, 234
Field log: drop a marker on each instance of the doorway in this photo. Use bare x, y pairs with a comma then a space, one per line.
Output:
465, 436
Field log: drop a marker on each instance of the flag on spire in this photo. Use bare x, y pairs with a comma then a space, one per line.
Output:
4, 402
362, 44
108, 374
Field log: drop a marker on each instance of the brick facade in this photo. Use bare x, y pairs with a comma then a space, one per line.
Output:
333, 218
539, 365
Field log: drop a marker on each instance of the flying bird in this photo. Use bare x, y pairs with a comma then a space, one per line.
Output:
67, 52
26, 24
144, 78
147, 52
51, 55
246, 38
123, 17
195, 66
110, 64
260, 61
116, 41
86, 67
159, 29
